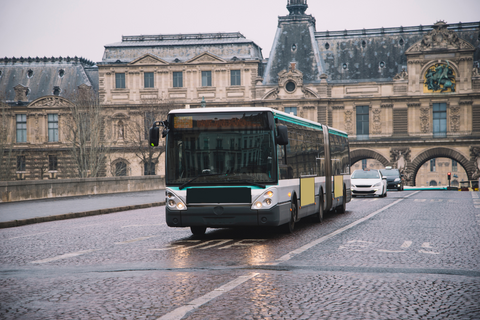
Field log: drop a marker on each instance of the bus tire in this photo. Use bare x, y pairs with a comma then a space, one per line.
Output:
318, 217
198, 231
290, 226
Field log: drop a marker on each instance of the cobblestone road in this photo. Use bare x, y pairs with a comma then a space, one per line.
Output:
412, 255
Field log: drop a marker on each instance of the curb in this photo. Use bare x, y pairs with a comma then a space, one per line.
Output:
73, 215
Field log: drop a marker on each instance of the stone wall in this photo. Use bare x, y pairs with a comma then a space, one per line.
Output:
41, 189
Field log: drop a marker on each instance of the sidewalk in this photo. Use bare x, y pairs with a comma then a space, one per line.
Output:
27, 212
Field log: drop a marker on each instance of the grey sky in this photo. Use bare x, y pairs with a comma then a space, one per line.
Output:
82, 28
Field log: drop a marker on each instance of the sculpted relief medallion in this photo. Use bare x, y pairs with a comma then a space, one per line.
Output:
440, 77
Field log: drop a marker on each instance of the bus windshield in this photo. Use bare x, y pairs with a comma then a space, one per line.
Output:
220, 149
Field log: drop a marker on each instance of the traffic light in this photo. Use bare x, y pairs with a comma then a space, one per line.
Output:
449, 176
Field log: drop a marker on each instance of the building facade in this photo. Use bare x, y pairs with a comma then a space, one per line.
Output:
404, 95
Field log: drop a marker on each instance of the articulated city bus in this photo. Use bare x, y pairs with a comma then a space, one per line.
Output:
229, 167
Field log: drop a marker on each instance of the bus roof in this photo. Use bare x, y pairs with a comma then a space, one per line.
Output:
278, 114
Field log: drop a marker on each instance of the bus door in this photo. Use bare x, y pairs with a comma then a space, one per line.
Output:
328, 169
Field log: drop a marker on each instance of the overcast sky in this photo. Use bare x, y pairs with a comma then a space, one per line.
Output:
82, 28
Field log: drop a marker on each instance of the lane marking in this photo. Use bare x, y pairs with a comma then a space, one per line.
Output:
426, 245
64, 256
135, 240
390, 251
242, 243
180, 312
406, 244
219, 243
304, 248
429, 252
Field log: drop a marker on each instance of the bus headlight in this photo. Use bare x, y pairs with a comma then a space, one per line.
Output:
266, 200
174, 202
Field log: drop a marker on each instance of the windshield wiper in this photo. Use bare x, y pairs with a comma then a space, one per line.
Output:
200, 175
252, 183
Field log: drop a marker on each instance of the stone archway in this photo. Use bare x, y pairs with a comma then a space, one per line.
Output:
414, 166
360, 154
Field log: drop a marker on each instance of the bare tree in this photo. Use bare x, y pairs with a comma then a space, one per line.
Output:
6, 143
84, 130
153, 110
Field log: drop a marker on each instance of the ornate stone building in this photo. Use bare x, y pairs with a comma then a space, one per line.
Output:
33, 113
404, 95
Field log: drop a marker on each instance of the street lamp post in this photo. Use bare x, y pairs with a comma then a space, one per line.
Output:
203, 103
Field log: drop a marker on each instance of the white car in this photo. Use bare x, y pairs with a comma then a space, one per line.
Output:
369, 182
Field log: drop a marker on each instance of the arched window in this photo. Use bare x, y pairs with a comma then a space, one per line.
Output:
120, 169
433, 183
454, 183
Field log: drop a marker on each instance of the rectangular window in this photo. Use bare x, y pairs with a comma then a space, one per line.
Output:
454, 166
148, 80
178, 79
52, 163
21, 163
362, 122
120, 80
291, 110
206, 78
149, 169
21, 128
439, 119
235, 78
53, 127
432, 165
364, 164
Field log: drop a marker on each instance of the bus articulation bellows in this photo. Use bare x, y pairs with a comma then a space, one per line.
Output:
230, 167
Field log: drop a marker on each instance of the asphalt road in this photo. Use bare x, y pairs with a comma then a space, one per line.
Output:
412, 255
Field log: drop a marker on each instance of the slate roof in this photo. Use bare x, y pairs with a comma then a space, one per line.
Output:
182, 47
378, 54
42, 75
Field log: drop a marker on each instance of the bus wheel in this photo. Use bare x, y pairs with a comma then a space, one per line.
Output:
198, 231
290, 226
319, 215
343, 207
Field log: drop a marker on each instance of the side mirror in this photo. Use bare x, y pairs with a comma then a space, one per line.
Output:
154, 136
282, 137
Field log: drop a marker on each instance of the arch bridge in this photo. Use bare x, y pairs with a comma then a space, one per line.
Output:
409, 156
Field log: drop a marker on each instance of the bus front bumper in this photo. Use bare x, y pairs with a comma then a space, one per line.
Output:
227, 216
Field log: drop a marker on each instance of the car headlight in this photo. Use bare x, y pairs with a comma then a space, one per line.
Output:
378, 184
397, 179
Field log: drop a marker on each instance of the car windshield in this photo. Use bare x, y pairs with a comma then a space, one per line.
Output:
362, 174
390, 172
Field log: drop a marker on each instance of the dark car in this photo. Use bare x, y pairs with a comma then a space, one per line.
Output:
394, 178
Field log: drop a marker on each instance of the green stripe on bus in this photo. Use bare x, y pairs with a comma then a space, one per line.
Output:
299, 122
341, 134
